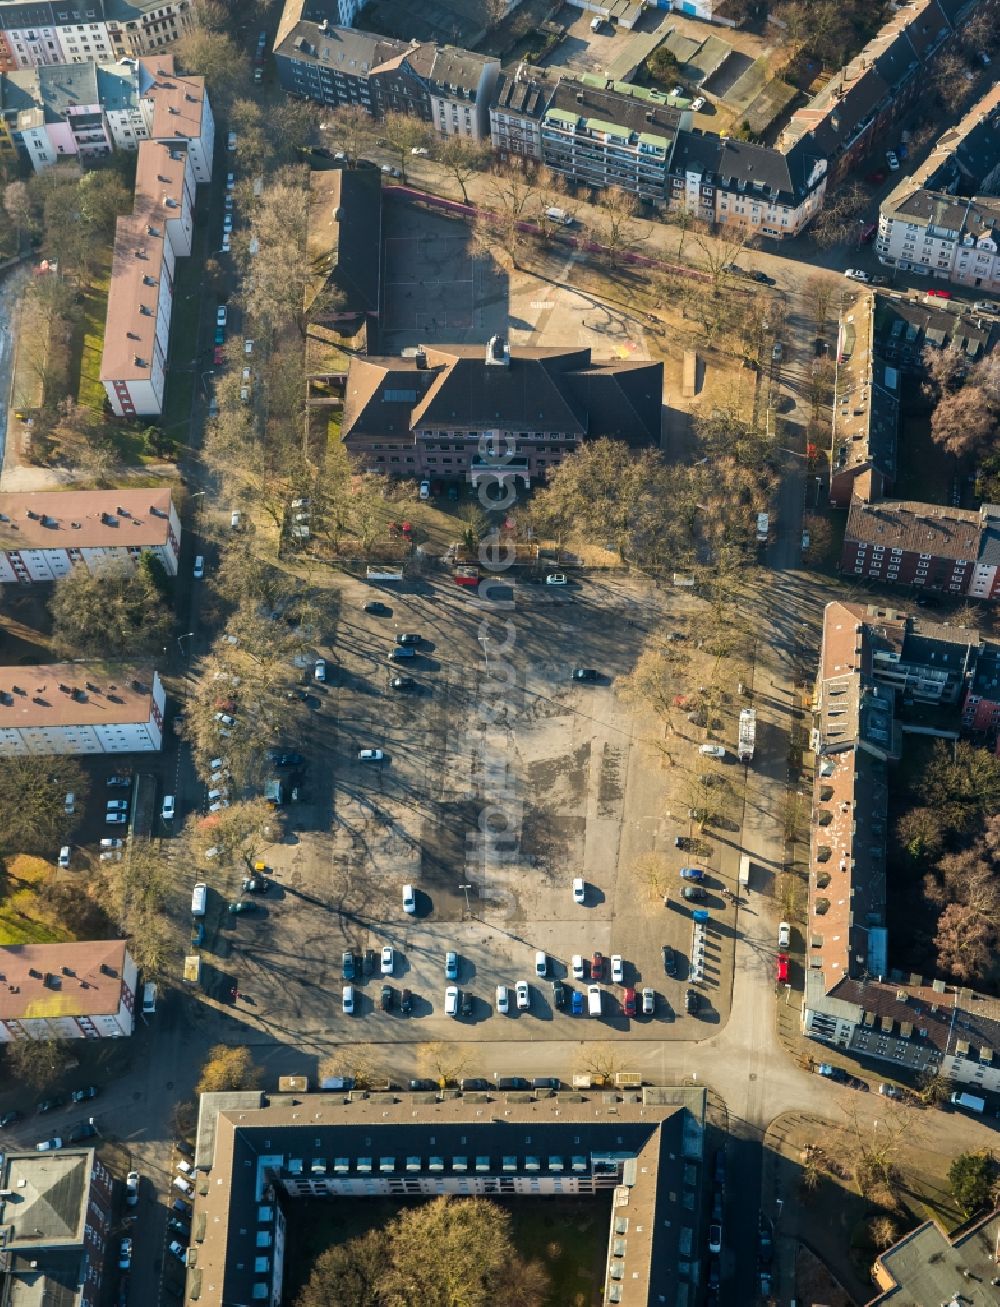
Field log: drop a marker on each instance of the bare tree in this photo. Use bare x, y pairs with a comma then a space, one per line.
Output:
463, 158
616, 222
446, 1061
403, 134
842, 213
819, 292
653, 870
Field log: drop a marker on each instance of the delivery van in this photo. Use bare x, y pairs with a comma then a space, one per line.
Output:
148, 1000
199, 899
971, 1102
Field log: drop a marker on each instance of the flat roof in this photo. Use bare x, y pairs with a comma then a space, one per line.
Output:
74, 694
85, 519
923, 1269
85, 979
47, 1202
178, 100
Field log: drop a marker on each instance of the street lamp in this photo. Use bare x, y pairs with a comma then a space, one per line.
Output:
468, 905
484, 641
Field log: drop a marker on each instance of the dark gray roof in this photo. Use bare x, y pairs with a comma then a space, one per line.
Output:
41, 13
64, 86
697, 152
356, 195
524, 96
342, 49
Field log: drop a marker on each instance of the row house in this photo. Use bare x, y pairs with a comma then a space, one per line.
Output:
80, 709
339, 12
953, 551
936, 223
853, 1001
57, 1210
45, 534
743, 187
72, 110
34, 33
981, 706
84, 990
436, 413
516, 113
148, 241
855, 113
448, 88
865, 409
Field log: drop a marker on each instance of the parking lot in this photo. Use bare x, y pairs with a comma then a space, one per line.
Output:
582, 789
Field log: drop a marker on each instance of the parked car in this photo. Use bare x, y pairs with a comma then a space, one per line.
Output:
242, 906
579, 890
49, 1145
50, 1104
407, 639
556, 578
409, 899
451, 965
65, 854
371, 755
892, 161
577, 1004
83, 1095
404, 683
856, 274
558, 994
83, 1130
617, 969
319, 671
541, 964
118, 781
576, 966
523, 995
628, 1002
694, 894
784, 935
597, 967
125, 1254
698, 103
387, 964
178, 1250
347, 1000
199, 567
692, 1000
386, 998
425, 486
406, 1000
939, 294
378, 609
669, 960
692, 873
468, 1000
132, 1188
451, 1001
503, 1000
584, 674
782, 969
254, 885
648, 1001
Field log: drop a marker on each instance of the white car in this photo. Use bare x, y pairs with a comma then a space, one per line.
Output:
221, 315
199, 567
425, 486
184, 1185
855, 274
523, 995
234, 519
64, 856
185, 1168
576, 965
784, 935
892, 160
108, 843
541, 964
227, 224
617, 969
698, 103
409, 899
167, 811
179, 1251
132, 1188
49, 1145
648, 1002
111, 855
69, 804
319, 671
712, 750
371, 755
117, 805
388, 964
347, 1000
116, 819
224, 249
579, 890
556, 578
805, 541
451, 1001
503, 999
420, 151
230, 180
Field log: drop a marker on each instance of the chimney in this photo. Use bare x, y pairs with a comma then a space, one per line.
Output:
497, 354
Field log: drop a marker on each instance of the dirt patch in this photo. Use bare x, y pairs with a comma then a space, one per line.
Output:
815, 1283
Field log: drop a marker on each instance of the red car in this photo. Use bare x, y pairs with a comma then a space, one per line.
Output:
939, 294
218, 358
875, 178
628, 1002
597, 967
782, 968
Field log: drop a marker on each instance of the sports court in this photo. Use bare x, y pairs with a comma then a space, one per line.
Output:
435, 289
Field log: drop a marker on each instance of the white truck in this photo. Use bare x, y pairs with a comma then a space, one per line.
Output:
763, 526
748, 734
744, 878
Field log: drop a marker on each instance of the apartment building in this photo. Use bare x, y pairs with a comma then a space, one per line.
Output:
84, 990
148, 241
45, 534
80, 110
603, 138
924, 1267
516, 112
952, 550
80, 708
865, 409
341, 13
429, 415
855, 113
981, 705
34, 33
870, 659
57, 1211
943, 221
448, 88
644, 1156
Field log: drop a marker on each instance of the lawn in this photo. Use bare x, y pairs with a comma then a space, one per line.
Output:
24, 916
568, 1235
88, 339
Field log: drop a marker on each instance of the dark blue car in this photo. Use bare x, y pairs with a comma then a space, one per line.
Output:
577, 1003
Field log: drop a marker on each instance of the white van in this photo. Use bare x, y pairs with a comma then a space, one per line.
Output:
596, 24
199, 899
971, 1102
559, 215
594, 1000
148, 1000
